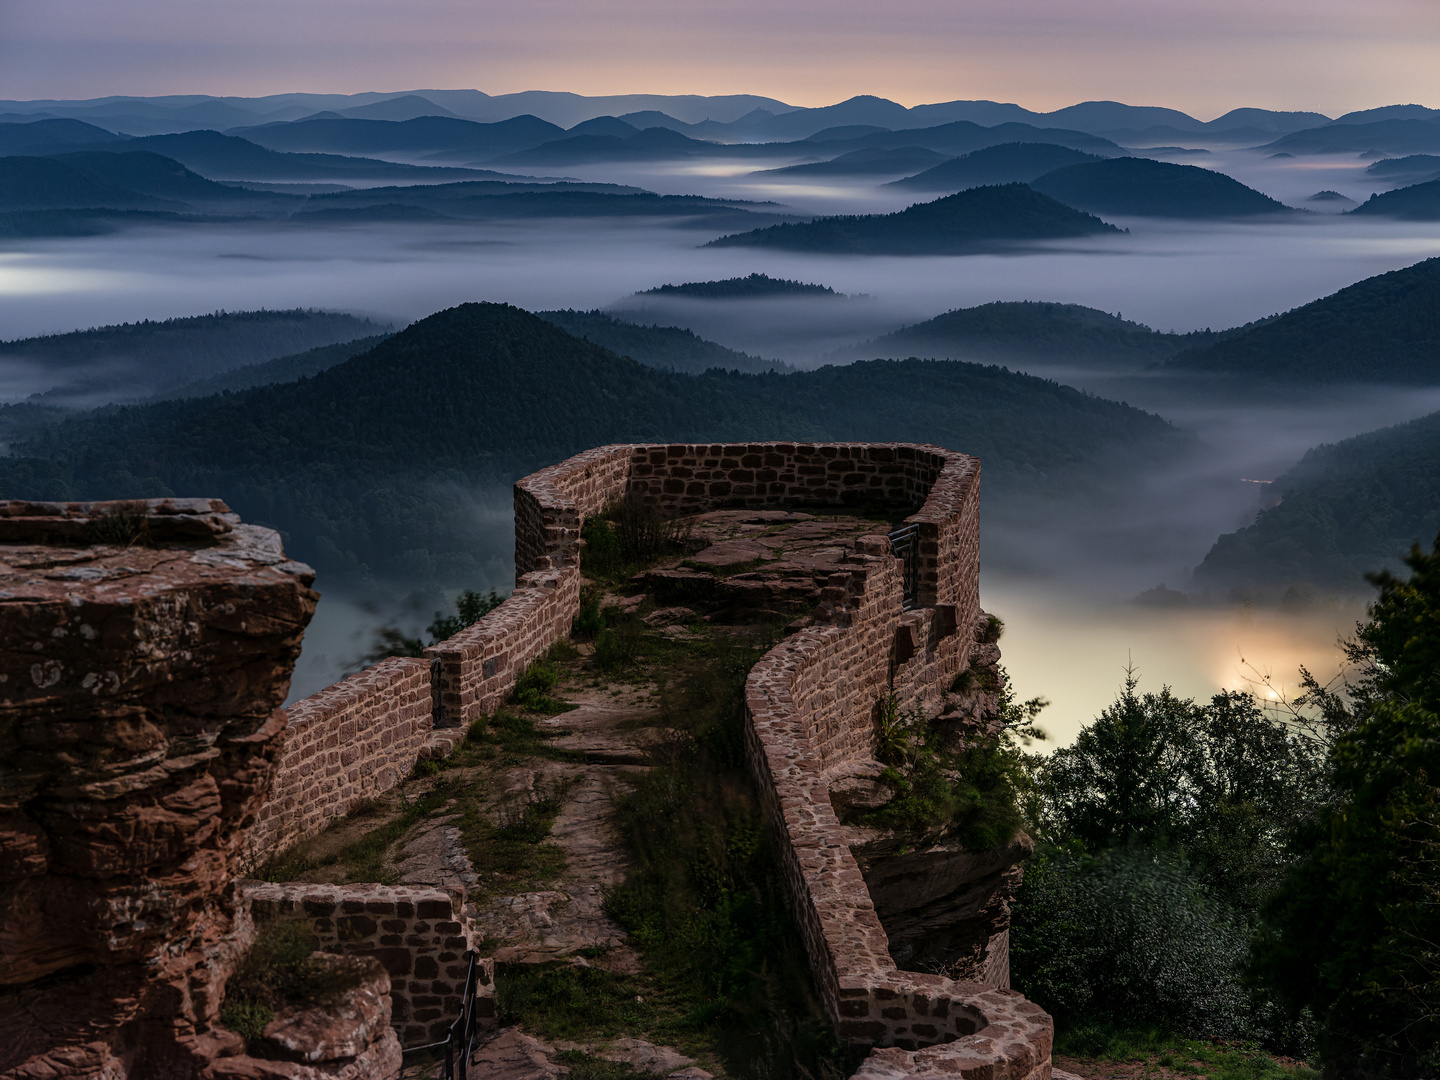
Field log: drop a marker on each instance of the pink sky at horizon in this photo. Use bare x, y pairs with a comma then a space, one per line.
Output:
1205, 58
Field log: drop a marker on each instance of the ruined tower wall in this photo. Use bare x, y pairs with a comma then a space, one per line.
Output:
811, 703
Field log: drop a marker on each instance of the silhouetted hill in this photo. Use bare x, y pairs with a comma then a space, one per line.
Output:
1410, 168
282, 369
652, 144
373, 466
1006, 163
426, 134
665, 348
487, 199
968, 221
133, 360
1383, 329
1008, 331
1346, 509
872, 161
1396, 136
39, 137
42, 183
151, 174
731, 288
962, 137
1418, 202
229, 157
1146, 188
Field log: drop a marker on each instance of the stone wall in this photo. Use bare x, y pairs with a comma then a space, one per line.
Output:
811, 704
350, 742
419, 934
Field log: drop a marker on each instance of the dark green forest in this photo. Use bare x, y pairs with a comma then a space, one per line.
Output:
1268, 876
374, 468
1383, 329
1346, 509
967, 221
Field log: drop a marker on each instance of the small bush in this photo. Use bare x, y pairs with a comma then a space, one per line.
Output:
990, 633
276, 972
124, 525
615, 649
588, 623
532, 689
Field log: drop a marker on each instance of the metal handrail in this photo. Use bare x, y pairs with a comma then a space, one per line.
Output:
459, 1042
905, 545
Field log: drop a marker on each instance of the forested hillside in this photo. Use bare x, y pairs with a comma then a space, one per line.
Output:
134, 360
379, 466
1348, 509
1383, 329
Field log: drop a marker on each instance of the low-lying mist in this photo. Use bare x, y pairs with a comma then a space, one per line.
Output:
1060, 573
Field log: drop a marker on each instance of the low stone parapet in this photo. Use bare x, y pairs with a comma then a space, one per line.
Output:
420, 935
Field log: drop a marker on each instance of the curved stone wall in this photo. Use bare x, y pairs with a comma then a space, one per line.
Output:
811, 701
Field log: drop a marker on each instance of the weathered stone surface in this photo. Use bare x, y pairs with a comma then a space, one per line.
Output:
342, 1025
145, 650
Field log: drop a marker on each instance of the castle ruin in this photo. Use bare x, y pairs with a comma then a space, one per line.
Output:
149, 767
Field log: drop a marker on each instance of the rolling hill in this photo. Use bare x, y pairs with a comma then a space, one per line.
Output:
1145, 188
1394, 136
1346, 509
665, 348
1005, 163
372, 467
1383, 329
1029, 330
1418, 202
978, 219
134, 360
754, 285
427, 134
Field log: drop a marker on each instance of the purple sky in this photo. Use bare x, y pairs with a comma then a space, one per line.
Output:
1203, 57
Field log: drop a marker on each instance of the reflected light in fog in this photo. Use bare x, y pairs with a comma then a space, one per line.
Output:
1073, 650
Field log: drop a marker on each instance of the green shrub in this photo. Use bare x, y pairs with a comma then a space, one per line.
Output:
532, 689
615, 649
1130, 936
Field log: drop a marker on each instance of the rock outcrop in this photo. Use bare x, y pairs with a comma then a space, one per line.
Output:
145, 651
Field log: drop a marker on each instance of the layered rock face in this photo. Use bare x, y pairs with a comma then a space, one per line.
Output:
145, 652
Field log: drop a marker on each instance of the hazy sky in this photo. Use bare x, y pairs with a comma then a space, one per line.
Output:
1203, 56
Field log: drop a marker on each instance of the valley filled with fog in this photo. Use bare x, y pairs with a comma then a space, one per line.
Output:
1063, 574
